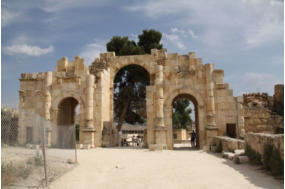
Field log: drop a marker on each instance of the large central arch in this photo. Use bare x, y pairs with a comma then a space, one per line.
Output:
112, 139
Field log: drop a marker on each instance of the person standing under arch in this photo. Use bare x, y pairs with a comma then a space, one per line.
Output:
193, 138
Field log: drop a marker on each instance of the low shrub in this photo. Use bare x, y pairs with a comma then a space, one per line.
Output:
267, 155
254, 157
38, 159
7, 174
24, 171
273, 160
10, 173
237, 161
219, 148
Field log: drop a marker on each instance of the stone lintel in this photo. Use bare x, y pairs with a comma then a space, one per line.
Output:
160, 128
89, 130
222, 86
211, 127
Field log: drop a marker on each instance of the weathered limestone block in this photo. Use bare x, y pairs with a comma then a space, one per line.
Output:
219, 76
241, 159
257, 141
229, 144
93, 89
228, 155
239, 152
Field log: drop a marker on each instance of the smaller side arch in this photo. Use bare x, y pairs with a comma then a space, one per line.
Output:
57, 99
200, 108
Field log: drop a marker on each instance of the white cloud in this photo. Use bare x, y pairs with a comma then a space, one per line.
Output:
174, 40
9, 17
253, 82
92, 51
176, 30
134, 37
62, 5
191, 32
27, 50
246, 22
183, 33
260, 81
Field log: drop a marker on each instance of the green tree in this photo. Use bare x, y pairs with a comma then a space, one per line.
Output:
150, 39
123, 46
181, 114
129, 95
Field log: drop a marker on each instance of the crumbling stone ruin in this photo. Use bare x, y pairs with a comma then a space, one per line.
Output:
263, 112
54, 96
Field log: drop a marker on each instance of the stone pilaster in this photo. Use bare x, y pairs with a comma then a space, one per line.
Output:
89, 101
211, 128
47, 106
89, 130
240, 118
160, 129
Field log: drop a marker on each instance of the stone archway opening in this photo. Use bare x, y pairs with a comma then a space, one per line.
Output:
68, 118
129, 105
185, 122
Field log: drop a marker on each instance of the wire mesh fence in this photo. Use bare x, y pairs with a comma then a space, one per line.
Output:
37, 154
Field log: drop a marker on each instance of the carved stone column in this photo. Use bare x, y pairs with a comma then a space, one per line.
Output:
211, 128
89, 130
47, 105
89, 101
160, 129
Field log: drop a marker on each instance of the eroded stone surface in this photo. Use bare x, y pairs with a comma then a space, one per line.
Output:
172, 76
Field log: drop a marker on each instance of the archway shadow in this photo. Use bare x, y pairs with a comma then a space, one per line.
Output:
186, 149
125, 148
255, 174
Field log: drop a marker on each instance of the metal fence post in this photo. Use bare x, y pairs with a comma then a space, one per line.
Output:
44, 152
75, 143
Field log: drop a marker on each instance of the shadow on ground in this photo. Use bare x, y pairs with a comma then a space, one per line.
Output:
256, 175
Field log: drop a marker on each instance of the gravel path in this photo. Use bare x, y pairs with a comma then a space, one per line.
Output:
114, 168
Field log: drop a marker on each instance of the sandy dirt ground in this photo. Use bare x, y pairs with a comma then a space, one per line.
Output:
24, 158
115, 168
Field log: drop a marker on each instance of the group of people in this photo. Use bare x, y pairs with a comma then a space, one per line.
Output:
135, 141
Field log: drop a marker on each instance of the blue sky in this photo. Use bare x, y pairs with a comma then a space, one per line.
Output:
243, 37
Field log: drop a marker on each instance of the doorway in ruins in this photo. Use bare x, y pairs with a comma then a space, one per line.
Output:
129, 105
185, 126
68, 123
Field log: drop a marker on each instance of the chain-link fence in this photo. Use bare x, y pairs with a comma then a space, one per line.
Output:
35, 152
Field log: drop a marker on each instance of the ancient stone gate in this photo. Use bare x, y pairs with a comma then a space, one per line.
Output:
54, 95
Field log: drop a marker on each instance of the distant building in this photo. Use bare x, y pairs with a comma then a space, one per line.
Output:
181, 135
128, 131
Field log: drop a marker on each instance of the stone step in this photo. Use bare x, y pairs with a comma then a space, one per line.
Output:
239, 152
228, 155
241, 159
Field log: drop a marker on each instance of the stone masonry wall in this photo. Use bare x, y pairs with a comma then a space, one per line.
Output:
259, 113
257, 141
172, 76
229, 144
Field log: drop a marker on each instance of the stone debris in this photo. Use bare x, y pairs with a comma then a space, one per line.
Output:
70, 161
239, 152
241, 159
228, 155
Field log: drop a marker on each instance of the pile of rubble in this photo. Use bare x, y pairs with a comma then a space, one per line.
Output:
258, 100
